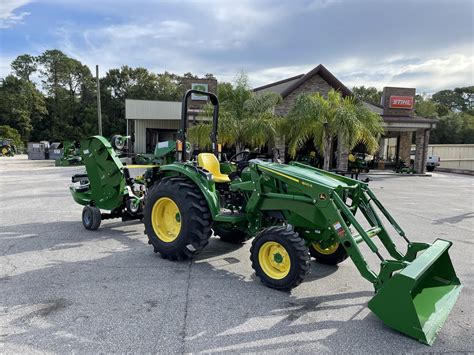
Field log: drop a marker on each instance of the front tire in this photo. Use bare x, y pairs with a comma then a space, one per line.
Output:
177, 219
91, 217
430, 168
280, 258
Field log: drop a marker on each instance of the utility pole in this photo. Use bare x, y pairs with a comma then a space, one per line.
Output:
99, 114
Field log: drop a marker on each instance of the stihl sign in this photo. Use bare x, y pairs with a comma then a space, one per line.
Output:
401, 102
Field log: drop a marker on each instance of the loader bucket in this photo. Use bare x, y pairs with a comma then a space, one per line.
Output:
417, 300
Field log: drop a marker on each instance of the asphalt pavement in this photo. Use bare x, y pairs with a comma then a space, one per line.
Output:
64, 289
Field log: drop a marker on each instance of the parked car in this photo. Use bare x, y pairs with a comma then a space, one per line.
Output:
432, 162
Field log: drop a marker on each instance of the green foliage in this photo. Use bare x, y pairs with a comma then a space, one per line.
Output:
369, 94
455, 128
66, 108
21, 105
23, 66
245, 119
449, 100
320, 120
425, 108
11, 133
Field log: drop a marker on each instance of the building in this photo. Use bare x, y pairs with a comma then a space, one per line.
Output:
396, 110
151, 121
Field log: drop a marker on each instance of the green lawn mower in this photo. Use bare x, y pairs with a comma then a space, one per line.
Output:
107, 183
293, 212
71, 154
7, 148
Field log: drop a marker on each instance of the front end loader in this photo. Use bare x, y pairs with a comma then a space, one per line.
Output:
293, 212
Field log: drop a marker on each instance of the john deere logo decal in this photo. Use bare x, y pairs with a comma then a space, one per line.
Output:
200, 87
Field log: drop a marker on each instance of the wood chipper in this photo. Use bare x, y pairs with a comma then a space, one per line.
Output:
294, 212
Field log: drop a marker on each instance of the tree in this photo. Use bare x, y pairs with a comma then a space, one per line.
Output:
425, 107
11, 133
369, 94
22, 106
455, 128
449, 100
245, 119
23, 66
316, 118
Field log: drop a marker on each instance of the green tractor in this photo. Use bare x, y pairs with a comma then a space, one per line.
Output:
7, 148
294, 212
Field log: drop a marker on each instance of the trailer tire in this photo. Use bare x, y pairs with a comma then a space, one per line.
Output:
177, 218
327, 256
266, 256
230, 235
91, 217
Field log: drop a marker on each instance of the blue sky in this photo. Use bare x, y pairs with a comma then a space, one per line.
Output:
422, 44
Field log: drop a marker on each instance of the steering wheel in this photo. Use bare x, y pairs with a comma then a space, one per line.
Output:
242, 163
233, 158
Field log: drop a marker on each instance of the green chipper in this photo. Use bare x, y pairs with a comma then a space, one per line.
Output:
293, 212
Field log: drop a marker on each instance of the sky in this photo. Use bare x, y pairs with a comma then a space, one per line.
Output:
424, 44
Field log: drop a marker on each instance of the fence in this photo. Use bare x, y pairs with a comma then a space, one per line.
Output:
454, 157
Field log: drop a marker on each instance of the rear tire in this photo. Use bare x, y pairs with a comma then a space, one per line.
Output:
177, 219
280, 258
91, 217
328, 256
230, 234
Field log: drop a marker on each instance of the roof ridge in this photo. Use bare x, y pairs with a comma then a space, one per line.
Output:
278, 82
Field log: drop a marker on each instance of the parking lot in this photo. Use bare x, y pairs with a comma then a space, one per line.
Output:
63, 288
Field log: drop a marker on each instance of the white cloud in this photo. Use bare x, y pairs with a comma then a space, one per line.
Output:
429, 72
8, 16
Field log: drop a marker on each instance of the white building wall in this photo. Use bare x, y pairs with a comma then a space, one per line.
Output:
152, 110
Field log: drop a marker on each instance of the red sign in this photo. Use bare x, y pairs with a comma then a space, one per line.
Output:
401, 102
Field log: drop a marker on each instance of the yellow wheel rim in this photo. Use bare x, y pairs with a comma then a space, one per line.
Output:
326, 251
166, 219
4, 151
274, 260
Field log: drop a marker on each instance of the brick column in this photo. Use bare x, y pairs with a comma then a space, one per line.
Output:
405, 146
342, 155
422, 139
280, 145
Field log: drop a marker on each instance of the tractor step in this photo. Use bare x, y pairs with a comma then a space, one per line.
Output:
229, 216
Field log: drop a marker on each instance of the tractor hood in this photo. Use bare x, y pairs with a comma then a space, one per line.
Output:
305, 174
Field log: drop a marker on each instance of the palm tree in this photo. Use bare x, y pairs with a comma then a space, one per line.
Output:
245, 118
316, 118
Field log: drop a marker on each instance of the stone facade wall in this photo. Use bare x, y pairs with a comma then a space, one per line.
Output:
314, 84
405, 146
422, 139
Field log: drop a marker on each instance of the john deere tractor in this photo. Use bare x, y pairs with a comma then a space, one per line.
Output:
7, 148
295, 212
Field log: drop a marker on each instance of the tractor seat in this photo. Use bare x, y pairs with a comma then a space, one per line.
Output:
209, 162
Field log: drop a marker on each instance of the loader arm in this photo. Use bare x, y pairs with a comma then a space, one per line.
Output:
421, 281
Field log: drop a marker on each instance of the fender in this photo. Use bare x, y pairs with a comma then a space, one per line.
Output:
206, 185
